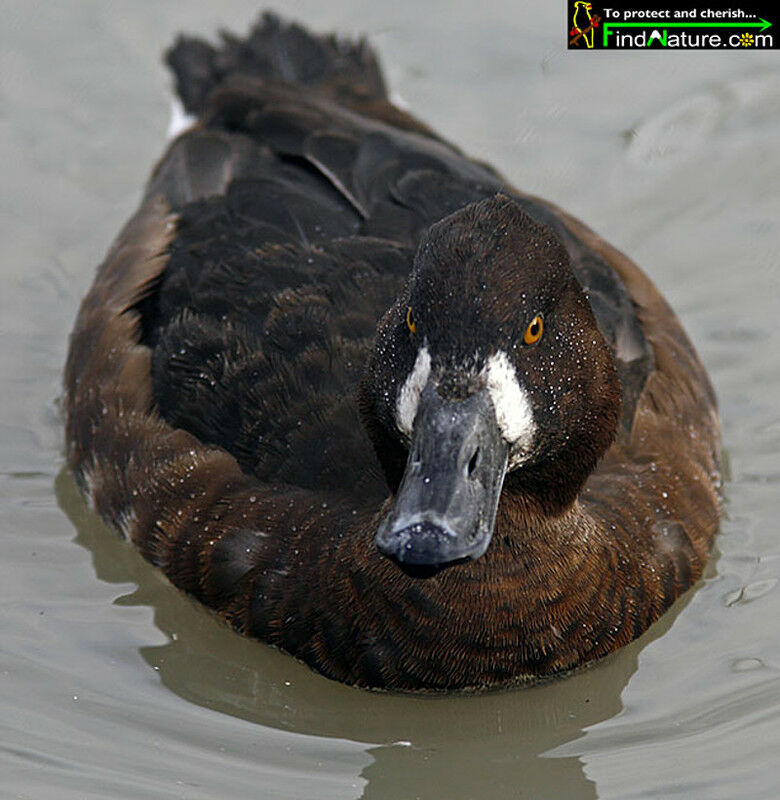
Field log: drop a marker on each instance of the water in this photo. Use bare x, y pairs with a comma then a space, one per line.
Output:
112, 684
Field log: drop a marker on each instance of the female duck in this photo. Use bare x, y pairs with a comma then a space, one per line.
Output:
350, 389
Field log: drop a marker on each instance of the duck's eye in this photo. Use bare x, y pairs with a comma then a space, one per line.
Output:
534, 331
411, 323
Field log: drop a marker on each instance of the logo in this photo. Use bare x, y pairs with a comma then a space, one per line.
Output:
583, 25
680, 25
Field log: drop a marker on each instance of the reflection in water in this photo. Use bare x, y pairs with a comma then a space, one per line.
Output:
424, 746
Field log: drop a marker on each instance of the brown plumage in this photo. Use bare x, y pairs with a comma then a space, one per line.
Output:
224, 360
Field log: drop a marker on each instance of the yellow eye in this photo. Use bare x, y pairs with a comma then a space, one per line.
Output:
534, 331
410, 321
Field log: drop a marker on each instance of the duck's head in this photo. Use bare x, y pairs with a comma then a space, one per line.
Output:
488, 372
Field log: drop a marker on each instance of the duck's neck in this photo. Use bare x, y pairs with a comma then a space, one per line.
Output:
548, 550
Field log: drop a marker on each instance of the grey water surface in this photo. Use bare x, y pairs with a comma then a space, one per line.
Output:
114, 685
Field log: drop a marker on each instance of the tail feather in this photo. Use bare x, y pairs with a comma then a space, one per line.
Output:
347, 71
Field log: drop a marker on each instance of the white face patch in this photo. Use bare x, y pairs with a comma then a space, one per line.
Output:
409, 396
513, 408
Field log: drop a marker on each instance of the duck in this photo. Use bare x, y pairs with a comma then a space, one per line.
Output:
347, 387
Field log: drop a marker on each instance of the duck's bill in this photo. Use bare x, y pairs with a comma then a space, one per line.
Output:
445, 508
